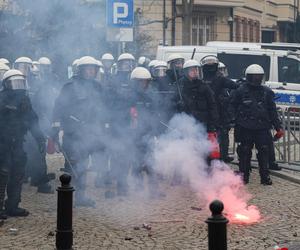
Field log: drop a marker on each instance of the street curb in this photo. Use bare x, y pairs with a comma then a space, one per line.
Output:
285, 176
281, 174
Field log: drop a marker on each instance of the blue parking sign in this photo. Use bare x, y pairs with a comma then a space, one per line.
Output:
119, 13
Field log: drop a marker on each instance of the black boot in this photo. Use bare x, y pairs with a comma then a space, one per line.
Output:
266, 181
246, 179
263, 163
45, 189
17, 212
245, 161
13, 210
3, 215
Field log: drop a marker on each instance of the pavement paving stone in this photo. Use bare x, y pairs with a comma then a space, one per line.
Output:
174, 224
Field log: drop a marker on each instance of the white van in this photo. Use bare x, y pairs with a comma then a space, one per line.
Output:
282, 67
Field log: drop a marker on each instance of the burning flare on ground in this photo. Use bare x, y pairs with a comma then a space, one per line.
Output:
183, 149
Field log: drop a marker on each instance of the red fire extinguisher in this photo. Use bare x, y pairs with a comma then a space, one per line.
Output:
215, 152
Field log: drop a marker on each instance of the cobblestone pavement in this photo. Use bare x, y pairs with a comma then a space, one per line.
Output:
174, 224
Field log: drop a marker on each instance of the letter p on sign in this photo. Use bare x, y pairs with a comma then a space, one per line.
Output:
120, 10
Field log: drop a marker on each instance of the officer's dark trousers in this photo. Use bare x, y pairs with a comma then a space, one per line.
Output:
261, 139
76, 154
272, 158
223, 138
36, 166
12, 171
140, 166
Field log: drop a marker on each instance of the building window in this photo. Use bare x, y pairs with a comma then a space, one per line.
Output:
203, 28
245, 30
257, 32
251, 31
237, 23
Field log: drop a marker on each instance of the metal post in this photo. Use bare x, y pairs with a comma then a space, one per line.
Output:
64, 231
164, 22
217, 223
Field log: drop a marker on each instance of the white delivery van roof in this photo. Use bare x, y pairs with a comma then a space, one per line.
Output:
163, 52
243, 45
233, 45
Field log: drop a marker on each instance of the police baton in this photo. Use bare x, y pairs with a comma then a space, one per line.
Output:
194, 51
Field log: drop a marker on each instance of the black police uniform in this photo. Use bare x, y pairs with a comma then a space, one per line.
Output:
76, 109
221, 86
143, 130
164, 94
255, 114
16, 118
199, 101
272, 158
43, 102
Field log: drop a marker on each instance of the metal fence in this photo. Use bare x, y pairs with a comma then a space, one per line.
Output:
287, 149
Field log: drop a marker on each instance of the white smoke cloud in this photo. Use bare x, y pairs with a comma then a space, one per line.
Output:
184, 149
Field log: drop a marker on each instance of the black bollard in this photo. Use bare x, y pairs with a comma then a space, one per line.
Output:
217, 223
64, 231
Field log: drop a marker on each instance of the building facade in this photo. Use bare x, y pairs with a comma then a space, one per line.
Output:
195, 22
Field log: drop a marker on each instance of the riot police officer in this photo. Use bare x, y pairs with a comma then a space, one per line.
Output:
197, 99
43, 102
75, 113
165, 91
221, 86
254, 109
143, 62
151, 66
107, 60
125, 65
175, 67
24, 64
144, 124
223, 69
16, 118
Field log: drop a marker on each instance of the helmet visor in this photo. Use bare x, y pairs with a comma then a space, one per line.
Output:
256, 79
194, 73
177, 64
160, 72
107, 63
25, 68
223, 71
16, 82
88, 72
126, 65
